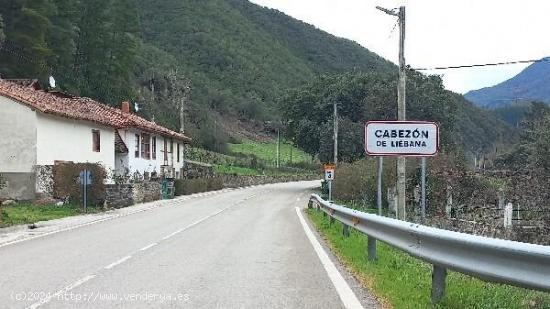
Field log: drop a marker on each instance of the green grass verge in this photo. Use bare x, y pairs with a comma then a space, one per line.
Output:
405, 282
29, 213
268, 151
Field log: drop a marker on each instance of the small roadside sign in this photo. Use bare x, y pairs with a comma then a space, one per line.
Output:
85, 177
329, 171
401, 138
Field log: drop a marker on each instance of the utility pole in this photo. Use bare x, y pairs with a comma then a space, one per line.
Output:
401, 109
335, 136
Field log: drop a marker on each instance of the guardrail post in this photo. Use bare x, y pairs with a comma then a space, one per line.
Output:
371, 248
345, 230
449, 205
439, 276
331, 219
508, 214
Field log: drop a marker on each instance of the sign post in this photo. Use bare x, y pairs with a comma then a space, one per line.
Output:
329, 177
406, 139
85, 178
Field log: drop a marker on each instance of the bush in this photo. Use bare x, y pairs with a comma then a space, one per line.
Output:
357, 181
178, 187
67, 184
191, 186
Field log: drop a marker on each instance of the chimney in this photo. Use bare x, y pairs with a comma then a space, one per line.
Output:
125, 107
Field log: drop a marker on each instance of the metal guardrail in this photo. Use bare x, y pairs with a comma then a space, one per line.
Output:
496, 260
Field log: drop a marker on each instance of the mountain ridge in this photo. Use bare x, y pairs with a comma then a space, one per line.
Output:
531, 84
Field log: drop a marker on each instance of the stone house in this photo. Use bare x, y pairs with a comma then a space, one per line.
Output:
40, 127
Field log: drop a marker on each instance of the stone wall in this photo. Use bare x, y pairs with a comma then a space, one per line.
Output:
44, 181
478, 205
119, 195
124, 195
236, 181
194, 170
146, 192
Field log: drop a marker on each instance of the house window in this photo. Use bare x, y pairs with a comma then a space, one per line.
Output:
136, 153
145, 146
96, 141
154, 148
178, 152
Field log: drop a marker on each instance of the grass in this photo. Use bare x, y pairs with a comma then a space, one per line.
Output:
248, 171
29, 213
239, 170
402, 281
268, 151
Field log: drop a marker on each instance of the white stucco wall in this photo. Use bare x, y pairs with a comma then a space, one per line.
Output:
64, 139
18, 143
143, 165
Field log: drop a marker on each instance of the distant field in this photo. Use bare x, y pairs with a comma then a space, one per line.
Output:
268, 152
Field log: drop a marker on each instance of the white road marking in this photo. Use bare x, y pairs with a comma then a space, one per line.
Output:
206, 218
158, 204
64, 290
172, 234
149, 246
344, 291
122, 260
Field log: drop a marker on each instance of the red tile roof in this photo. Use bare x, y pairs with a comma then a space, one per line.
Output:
79, 108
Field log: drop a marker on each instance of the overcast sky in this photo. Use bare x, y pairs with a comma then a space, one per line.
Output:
439, 32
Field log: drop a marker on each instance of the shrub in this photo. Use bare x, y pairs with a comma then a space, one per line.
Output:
178, 187
215, 184
357, 181
67, 184
191, 186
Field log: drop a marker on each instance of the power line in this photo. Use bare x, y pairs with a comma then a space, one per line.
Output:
483, 65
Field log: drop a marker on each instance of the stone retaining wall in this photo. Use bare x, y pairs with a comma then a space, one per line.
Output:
236, 181
194, 170
124, 195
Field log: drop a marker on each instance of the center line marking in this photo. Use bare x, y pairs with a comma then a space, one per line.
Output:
149, 246
122, 260
64, 290
347, 296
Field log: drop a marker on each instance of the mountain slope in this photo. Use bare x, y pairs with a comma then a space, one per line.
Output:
244, 53
530, 84
239, 60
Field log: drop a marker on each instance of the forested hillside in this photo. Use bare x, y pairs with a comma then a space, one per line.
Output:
224, 59
236, 57
371, 96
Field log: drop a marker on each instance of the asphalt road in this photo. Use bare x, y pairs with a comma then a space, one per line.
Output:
245, 248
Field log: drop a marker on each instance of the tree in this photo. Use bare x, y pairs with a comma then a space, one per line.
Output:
27, 25
2, 35
62, 39
360, 98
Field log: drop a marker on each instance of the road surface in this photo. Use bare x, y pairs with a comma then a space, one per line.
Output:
245, 248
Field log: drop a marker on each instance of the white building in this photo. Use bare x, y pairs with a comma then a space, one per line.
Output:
39, 128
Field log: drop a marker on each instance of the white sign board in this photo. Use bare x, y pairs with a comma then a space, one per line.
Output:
329, 174
401, 138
